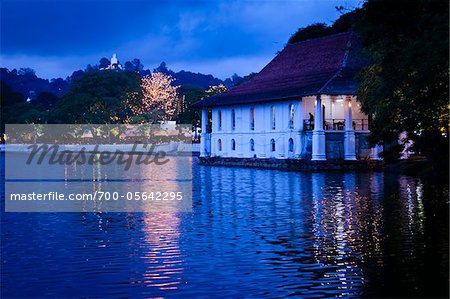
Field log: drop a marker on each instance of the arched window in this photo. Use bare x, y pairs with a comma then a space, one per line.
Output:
252, 118
219, 121
291, 145
233, 119
291, 116
219, 145
233, 145
252, 145
272, 117
272, 145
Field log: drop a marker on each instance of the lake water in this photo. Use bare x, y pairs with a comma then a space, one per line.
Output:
252, 233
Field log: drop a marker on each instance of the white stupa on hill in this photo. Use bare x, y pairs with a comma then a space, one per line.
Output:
114, 65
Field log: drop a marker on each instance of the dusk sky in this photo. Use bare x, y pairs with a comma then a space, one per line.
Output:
212, 37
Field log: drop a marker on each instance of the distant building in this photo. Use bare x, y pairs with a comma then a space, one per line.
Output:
302, 105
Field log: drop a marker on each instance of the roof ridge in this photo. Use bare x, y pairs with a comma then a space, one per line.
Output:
318, 38
343, 63
322, 65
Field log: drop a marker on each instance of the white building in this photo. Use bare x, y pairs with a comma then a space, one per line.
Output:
302, 105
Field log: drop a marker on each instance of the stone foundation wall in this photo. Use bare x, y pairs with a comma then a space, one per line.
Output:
294, 164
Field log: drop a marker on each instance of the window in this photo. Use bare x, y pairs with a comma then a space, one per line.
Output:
233, 119
219, 124
291, 145
252, 119
219, 145
291, 116
252, 145
272, 145
272, 117
233, 145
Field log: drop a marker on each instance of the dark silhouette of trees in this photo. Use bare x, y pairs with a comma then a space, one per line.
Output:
104, 62
405, 88
99, 97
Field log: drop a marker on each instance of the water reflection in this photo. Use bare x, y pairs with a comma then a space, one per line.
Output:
252, 233
329, 230
345, 233
412, 191
161, 252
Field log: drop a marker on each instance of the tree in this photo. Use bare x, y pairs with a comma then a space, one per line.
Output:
162, 68
59, 86
104, 63
90, 68
246, 78
26, 71
134, 66
9, 97
215, 89
192, 94
345, 22
159, 95
137, 65
311, 31
128, 66
15, 110
45, 101
405, 88
99, 97
76, 75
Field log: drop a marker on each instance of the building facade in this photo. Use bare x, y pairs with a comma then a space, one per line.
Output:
302, 105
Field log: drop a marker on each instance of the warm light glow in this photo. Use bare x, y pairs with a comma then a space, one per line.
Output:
350, 104
159, 95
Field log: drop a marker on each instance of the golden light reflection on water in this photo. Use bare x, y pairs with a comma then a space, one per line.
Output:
162, 252
164, 262
160, 245
346, 224
412, 191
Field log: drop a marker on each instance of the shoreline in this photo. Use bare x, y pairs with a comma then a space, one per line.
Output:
294, 164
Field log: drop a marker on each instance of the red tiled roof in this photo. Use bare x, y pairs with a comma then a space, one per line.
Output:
316, 66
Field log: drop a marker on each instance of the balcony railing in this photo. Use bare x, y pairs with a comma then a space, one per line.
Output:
337, 124
360, 124
334, 124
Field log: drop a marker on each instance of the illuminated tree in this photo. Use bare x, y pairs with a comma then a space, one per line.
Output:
215, 89
160, 97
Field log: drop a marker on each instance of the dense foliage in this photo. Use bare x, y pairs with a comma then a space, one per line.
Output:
26, 82
107, 97
405, 88
346, 22
98, 97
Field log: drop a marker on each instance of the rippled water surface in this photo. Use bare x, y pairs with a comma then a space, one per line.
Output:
252, 233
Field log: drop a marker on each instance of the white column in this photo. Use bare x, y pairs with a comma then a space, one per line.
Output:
204, 151
349, 134
318, 137
298, 126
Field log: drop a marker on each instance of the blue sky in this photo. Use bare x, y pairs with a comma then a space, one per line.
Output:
213, 37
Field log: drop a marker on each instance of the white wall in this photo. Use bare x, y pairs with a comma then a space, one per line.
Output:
262, 134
